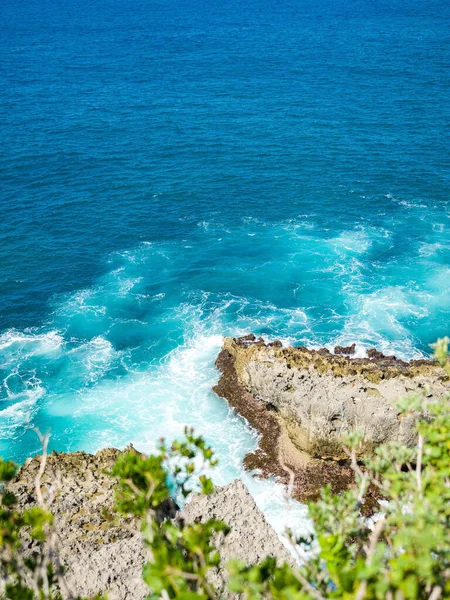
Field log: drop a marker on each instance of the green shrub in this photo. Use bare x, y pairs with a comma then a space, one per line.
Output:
181, 555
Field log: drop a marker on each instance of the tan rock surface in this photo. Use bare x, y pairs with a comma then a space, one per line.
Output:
320, 396
104, 557
302, 401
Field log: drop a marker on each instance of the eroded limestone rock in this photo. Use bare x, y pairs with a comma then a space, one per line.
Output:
302, 401
103, 556
251, 538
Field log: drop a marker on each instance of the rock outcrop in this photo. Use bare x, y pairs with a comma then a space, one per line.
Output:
251, 538
101, 555
302, 401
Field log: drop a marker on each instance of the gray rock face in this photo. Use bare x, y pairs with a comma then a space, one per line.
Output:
318, 408
115, 568
251, 538
99, 557
104, 558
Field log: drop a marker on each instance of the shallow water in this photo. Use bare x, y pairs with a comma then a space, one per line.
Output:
171, 173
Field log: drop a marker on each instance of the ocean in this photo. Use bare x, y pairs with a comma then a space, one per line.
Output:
176, 171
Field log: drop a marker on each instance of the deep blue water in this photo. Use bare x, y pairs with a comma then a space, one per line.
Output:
174, 171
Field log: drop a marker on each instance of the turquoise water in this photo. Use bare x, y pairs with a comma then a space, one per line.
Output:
172, 172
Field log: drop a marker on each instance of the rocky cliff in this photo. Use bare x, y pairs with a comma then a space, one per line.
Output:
302, 401
103, 556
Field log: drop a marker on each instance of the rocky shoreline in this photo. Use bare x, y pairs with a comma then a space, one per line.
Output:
301, 401
104, 555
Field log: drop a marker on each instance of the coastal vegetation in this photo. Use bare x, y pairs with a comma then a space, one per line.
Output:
401, 551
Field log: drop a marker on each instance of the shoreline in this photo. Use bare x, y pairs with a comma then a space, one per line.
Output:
106, 553
311, 475
300, 401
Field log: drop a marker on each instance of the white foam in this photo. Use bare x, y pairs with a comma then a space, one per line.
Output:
282, 513
32, 343
428, 249
377, 318
352, 241
84, 302
151, 400
96, 355
126, 285
18, 415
